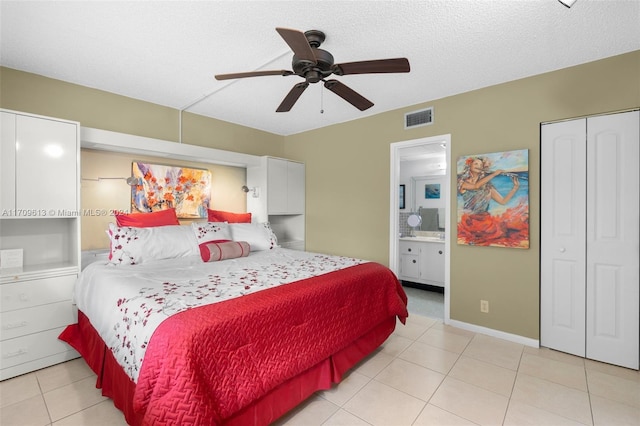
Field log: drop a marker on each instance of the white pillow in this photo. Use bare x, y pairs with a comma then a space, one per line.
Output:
132, 246
205, 232
258, 235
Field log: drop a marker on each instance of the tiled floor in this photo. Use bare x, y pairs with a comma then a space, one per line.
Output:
426, 373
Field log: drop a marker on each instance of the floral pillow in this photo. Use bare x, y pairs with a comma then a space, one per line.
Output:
133, 246
258, 235
205, 232
213, 251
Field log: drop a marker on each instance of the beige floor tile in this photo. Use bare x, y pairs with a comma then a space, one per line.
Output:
411, 378
373, 364
430, 357
415, 327
72, 398
382, 405
470, 402
63, 374
614, 370
344, 391
313, 412
607, 413
558, 399
495, 351
395, 344
559, 372
521, 414
344, 418
614, 388
30, 411
555, 355
435, 416
18, 389
101, 414
484, 375
451, 329
443, 339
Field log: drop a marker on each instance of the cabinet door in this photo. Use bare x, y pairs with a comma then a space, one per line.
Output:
410, 267
433, 263
7, 161
562, 251
277, 186
295, 187
46, 165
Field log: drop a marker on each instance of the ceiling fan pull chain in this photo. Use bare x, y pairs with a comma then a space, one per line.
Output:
322, 99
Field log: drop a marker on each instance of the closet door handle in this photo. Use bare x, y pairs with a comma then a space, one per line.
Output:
562, 250
439, 251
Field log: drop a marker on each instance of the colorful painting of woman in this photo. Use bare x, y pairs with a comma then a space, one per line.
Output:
493, 202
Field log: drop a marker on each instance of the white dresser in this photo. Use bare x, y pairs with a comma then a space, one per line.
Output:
39, 214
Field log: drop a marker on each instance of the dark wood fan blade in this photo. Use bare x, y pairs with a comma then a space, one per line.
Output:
292, 97
252, 74
298, 43
348, 94
373, 67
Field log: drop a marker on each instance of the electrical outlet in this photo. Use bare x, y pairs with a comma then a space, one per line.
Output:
484, 306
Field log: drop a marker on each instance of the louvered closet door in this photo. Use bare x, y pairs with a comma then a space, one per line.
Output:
562, 253
613, 202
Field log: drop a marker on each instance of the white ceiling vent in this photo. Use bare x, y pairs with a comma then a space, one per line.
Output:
419, 118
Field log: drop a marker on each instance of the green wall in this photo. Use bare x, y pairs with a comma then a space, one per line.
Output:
347, 165
347, 178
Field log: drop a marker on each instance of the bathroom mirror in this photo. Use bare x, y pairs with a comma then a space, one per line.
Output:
431, 219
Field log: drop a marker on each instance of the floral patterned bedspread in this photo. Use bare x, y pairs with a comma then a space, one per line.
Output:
126, 303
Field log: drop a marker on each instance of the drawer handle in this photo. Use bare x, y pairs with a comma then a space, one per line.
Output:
21, 351
414, 261
439, 251
15, 325
24, 297
408, 249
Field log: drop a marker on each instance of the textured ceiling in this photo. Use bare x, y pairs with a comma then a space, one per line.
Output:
168, 52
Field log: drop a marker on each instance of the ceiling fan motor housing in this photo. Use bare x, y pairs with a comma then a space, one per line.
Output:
311, 72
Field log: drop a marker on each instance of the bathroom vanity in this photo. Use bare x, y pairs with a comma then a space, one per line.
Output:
422, 259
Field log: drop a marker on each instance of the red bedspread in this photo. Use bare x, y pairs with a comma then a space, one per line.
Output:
204, 365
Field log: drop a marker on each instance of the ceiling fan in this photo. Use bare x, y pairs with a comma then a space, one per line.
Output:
315, 64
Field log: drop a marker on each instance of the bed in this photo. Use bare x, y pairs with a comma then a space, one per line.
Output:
240, 339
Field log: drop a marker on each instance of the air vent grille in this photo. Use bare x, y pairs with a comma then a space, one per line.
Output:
422, 117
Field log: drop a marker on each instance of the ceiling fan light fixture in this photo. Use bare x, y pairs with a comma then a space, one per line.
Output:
567, 3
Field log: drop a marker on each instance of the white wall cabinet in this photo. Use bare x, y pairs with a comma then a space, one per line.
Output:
589, 288
279, 198
40, 214
422, 262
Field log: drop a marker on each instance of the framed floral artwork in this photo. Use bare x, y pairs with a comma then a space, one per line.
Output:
493, 199
160, 187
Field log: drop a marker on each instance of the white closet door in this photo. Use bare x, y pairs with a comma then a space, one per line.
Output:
562, 254
613, 298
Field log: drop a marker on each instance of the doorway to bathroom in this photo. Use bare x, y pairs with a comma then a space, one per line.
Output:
420, 255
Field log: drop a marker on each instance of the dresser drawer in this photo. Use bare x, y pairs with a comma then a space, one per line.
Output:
32, 320
31, 347
26, 294
410, 247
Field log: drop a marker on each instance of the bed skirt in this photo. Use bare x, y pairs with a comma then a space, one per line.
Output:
115, 383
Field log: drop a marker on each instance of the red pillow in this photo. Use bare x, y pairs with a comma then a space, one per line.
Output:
148, 220
222, 216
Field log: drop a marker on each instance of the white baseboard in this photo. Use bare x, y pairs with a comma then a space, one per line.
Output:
495, 333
